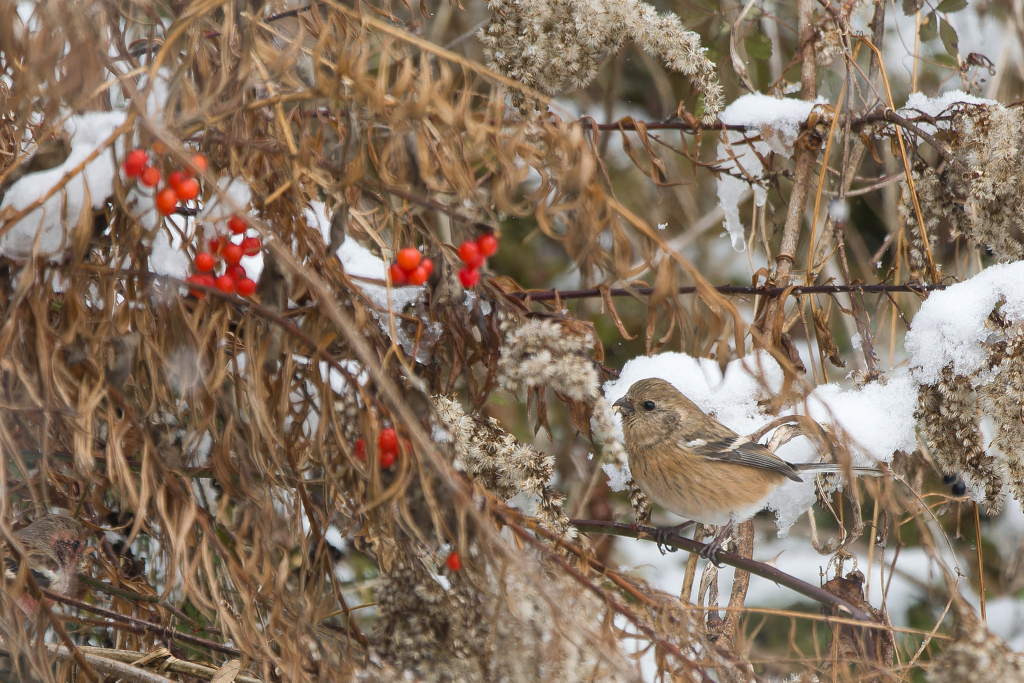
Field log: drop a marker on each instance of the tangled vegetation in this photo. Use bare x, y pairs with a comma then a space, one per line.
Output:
306, 470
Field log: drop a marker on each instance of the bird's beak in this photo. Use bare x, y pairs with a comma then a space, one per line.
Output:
624, 406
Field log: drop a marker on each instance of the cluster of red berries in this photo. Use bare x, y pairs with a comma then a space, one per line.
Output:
233, 279
473, 254
181, 186
387, 448
410, 268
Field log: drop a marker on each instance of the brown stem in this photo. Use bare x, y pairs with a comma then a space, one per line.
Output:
741, 580
806, 156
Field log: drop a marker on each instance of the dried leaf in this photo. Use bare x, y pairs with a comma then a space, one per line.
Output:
825, 340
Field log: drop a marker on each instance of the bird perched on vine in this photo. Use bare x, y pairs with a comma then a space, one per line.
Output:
52, 548
692, 465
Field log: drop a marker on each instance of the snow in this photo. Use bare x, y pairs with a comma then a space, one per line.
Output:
949, 329
360, 261
52, 223
167, 257
777, 121
338, 381
918, 103
233, 196
780, 116
618, 477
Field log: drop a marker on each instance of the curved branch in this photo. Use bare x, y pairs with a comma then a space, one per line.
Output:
732, 559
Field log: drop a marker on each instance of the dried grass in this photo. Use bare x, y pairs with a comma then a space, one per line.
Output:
207, 434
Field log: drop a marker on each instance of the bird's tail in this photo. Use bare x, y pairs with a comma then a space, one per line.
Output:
832, 468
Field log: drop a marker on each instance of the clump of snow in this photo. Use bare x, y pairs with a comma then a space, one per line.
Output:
733, 401
777, 121
618, 477
919, 103
361, 262
338, 381
53, 221
140, 201
233, 196
780, 118
949, 329
167, 256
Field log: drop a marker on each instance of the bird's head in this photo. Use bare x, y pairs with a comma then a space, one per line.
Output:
53, 546
651, 410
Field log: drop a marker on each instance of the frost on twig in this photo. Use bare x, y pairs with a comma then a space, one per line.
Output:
547, 45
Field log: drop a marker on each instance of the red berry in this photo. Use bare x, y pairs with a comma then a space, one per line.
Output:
388, 440
199, 163
245, 287
408, 259
398, 276
237, 272
225, 283
387, 458
427, 265
361, 449
188, 189
232, 254
487, 244
251, 246
469, 253
176, 178
150, 176
204, 262
158, 147
469, 277
166, 200
454, 562
418, 276
216, 244
199, 280
236, 225
135, 162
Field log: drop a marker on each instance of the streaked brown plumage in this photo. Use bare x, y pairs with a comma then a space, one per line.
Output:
694, 466
53, 547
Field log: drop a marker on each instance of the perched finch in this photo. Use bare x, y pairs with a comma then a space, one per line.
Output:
53, 547
694, 466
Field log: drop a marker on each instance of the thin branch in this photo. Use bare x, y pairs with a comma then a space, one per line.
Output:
140, 624
552, 294
732, 559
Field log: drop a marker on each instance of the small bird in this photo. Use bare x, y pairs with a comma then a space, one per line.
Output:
53, 547
694, 466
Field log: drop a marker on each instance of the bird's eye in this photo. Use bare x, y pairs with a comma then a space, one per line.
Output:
649, 405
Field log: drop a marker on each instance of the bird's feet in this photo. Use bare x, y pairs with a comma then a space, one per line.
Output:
711, 550
661, 535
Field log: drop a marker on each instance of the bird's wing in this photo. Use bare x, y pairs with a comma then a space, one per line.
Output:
739, 450
44, 573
